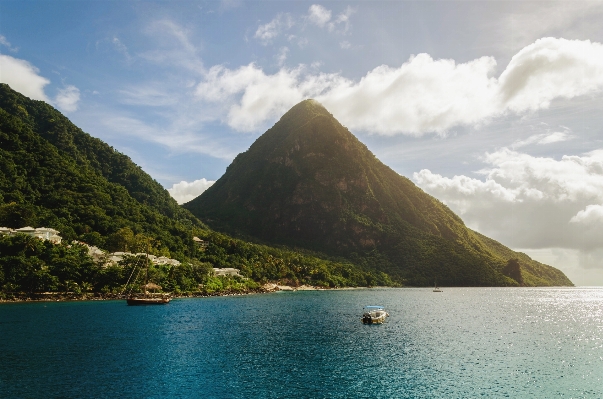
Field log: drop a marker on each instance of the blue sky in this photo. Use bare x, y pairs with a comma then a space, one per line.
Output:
493, 107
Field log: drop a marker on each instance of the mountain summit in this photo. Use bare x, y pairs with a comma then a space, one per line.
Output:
308, 182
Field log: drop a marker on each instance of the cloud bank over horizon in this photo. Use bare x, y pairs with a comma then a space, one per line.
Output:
530, 202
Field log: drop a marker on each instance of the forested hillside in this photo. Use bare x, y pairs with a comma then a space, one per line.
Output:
53, 174
308, 182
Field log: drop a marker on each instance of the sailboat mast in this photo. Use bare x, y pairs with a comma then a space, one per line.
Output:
146, 274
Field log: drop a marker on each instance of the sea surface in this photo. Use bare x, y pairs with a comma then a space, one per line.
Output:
461, 343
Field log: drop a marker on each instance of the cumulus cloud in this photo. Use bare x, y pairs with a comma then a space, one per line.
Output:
184, 192
318, 15
592, 215
68, 98
529, 202
23, 77
252, 97
423, 95
551, 68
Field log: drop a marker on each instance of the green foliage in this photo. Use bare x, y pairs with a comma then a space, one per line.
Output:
28, 264
263, 263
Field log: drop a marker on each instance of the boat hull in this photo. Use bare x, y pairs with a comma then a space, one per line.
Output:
374, 317
147, 301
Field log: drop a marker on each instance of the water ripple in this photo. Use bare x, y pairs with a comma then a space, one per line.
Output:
462, 343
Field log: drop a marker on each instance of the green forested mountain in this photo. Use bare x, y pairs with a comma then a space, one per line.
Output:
53, 174
308, 182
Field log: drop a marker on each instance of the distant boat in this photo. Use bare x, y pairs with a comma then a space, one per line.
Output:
146, 297
436, 288
374, 315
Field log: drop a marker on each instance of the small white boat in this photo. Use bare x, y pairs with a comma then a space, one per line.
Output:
374, 315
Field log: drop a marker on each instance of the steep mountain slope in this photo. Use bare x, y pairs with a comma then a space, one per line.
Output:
54, 174
308, 182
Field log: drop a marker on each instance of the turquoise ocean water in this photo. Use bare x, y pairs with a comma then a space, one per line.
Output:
461, 343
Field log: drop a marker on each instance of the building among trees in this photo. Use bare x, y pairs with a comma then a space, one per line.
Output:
43, 233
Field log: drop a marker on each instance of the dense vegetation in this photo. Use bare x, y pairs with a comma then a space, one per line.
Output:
308, 182
263, 263
29, 265
53, 174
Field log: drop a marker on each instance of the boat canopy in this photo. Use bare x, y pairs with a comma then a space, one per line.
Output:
373, 307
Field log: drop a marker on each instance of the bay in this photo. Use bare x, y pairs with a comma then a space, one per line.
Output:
461, 343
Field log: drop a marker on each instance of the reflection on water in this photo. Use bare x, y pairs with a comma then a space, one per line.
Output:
464, 342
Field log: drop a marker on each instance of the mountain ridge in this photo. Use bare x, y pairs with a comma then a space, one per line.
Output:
309, 182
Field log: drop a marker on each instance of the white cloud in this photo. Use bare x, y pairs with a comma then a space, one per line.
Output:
342, 19
321, 17
544, 138
6, 43
345, 45
529, 202
590, 216
184, 192
281, 57
318, 15
267, 32
421, 96
68, 98
251, 97
551, 68
23, 77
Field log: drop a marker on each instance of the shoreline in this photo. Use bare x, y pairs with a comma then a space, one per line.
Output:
98, 296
